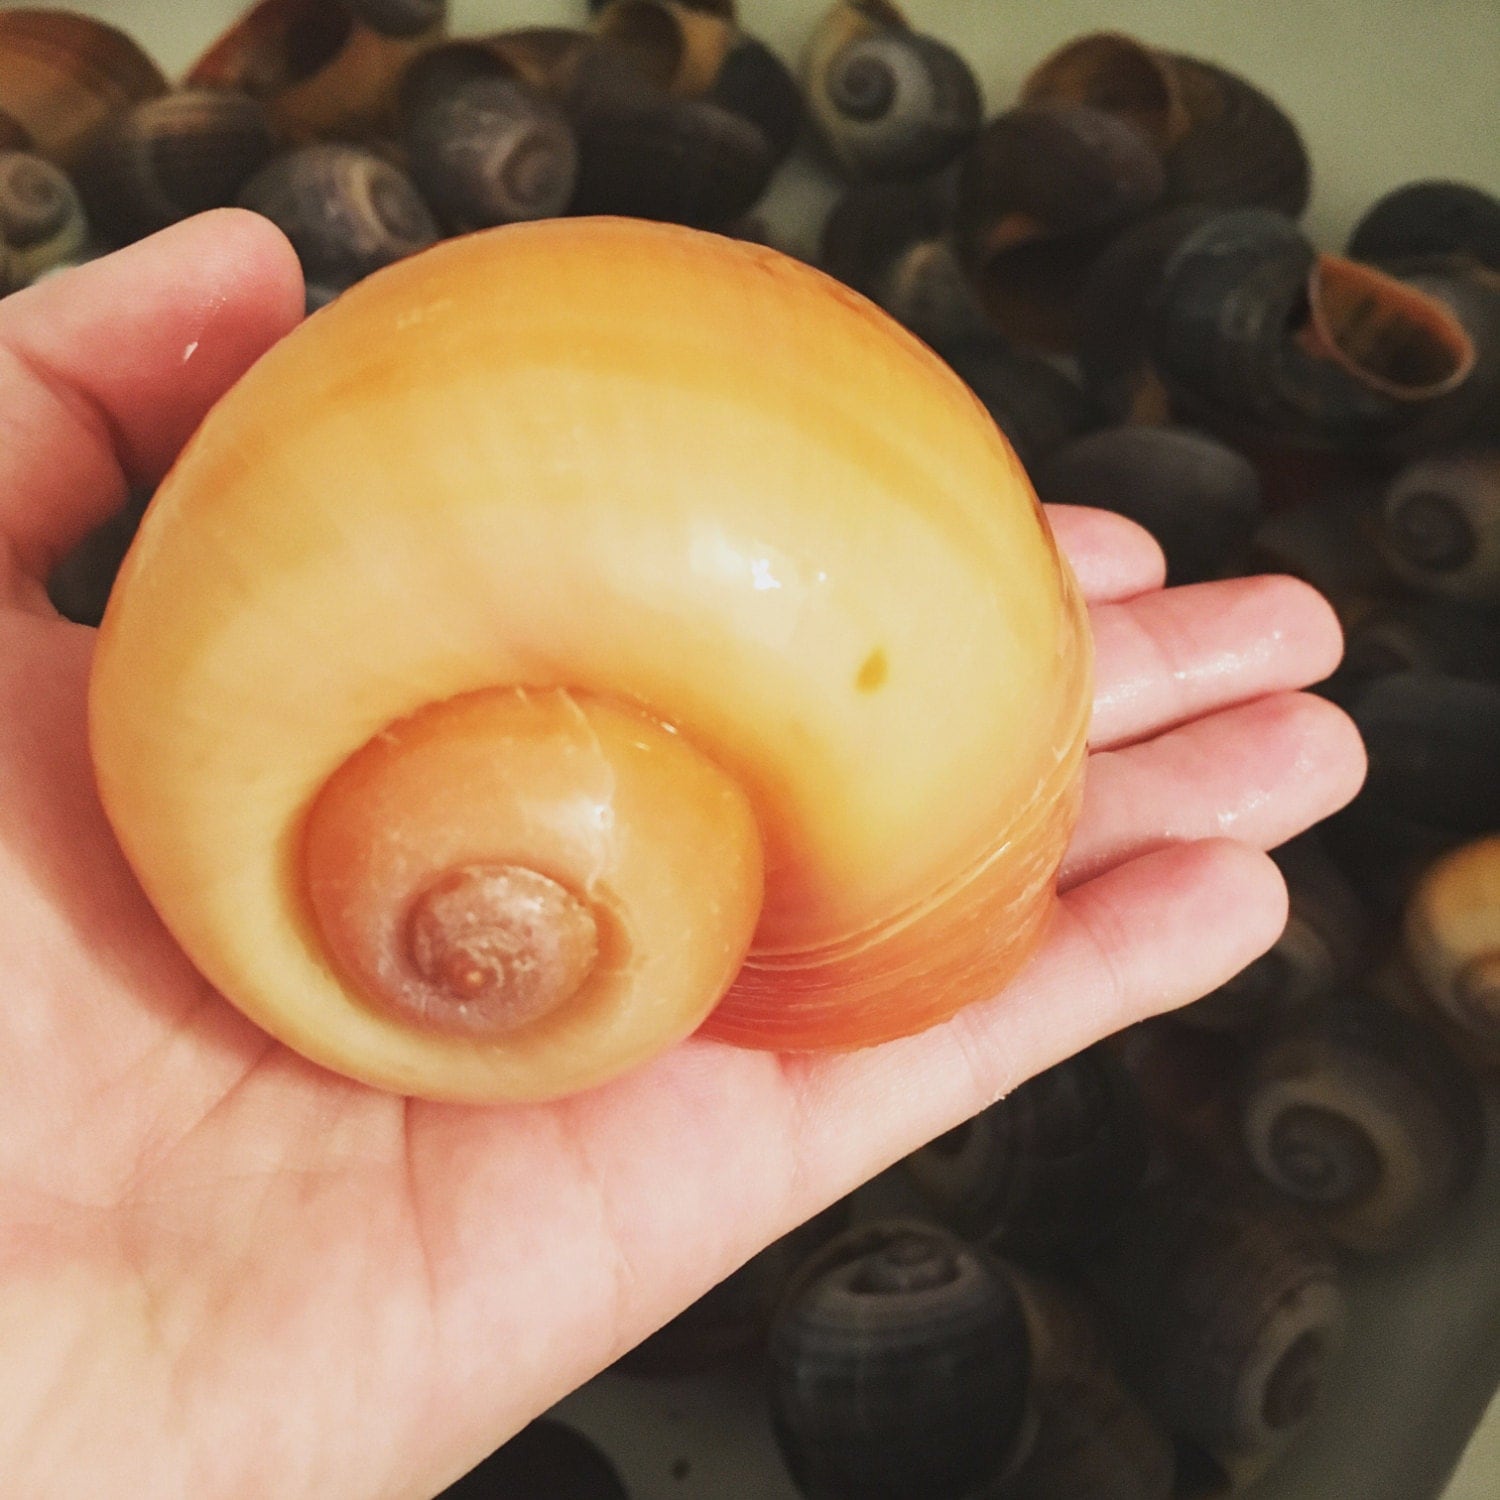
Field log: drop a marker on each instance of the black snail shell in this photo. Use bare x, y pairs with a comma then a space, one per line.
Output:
346, 210
1324, 944
897, 1367
1250, 326
1223, 1308
166, 158
491, 151
1199, 498
730, 1322
1440, 525
1038, 406
545, 1460
1233, 320
1366, 1120
1047, 1166
1429, 220
42, 222
887, 101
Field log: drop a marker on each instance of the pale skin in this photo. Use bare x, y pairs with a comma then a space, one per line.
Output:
225, 1272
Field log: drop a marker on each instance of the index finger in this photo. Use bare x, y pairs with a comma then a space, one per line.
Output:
106, 369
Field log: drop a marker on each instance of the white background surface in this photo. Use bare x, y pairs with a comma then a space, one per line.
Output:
1385, 91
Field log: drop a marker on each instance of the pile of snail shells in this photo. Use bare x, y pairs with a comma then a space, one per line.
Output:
1173, 1339
1112, 261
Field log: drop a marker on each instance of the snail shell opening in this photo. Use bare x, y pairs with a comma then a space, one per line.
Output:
707, 551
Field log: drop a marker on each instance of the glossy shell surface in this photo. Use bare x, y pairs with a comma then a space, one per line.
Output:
431, 503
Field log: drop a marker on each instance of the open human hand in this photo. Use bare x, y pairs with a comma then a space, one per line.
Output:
225, 1272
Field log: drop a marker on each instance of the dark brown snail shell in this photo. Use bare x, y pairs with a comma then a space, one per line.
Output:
753, 83
1367, 1121
542, 56
889, 240
729, 1323
1324, 945
1197, 497
677, 48
172, 156
1038, 406
1093, 1441
897, 1367
1224, 1308
13, 136
1039, 193
1044, 1168
491, 151
346, 211
42, 222
648, 153
1423, 221
887, 101
1240, 147
1223, 141
1451, 936
1089, 1438
62, 74
1117, 307
1421, 634
545, 1460
1440, 525
400, 17
1329, 541
1187, 1078
1433, 743
80, 583
724, 8
321, 71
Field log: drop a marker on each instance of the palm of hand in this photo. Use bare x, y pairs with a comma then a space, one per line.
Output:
234, 1273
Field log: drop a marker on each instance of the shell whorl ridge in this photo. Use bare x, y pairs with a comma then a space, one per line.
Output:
628, 468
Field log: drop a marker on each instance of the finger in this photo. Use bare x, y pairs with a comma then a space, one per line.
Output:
1171, 656
1260, 773
1147, 937
106, 369
1112, 558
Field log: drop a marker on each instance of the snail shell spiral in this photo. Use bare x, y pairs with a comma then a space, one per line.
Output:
584, 550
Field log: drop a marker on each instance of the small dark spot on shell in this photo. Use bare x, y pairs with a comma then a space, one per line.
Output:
873, 672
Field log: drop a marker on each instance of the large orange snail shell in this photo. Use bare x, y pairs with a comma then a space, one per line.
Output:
576, 629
